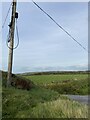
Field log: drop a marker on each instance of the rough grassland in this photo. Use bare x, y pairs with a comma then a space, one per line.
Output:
63, 83
46, 79
38, 102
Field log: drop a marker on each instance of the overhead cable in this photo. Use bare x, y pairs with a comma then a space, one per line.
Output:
6, 16
60, 26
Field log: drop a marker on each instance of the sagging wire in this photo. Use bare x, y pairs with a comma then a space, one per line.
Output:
6, 17
9, 35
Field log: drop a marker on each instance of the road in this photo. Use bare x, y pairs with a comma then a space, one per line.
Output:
80, 98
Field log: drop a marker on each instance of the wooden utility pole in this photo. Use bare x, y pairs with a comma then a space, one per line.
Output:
10, 58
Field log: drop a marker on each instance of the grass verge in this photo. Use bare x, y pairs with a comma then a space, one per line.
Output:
38, 102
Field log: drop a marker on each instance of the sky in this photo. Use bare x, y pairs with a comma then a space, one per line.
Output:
43, 45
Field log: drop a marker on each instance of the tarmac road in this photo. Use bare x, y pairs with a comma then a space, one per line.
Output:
80, 98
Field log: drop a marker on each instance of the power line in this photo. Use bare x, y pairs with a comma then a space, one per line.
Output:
6, 17
60, 26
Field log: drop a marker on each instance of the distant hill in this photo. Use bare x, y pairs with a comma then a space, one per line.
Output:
55, 72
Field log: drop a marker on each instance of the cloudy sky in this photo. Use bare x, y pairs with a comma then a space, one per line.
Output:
43, 45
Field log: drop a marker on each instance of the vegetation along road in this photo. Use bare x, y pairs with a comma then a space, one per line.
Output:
45, 96
75, 85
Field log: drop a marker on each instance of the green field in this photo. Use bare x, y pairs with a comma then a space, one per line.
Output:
40, 102
63, 83
45, 79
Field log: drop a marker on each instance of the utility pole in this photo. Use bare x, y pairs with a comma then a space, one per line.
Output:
12, 29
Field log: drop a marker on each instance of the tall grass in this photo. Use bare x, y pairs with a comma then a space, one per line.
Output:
59, 108
39, 102
15, 100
